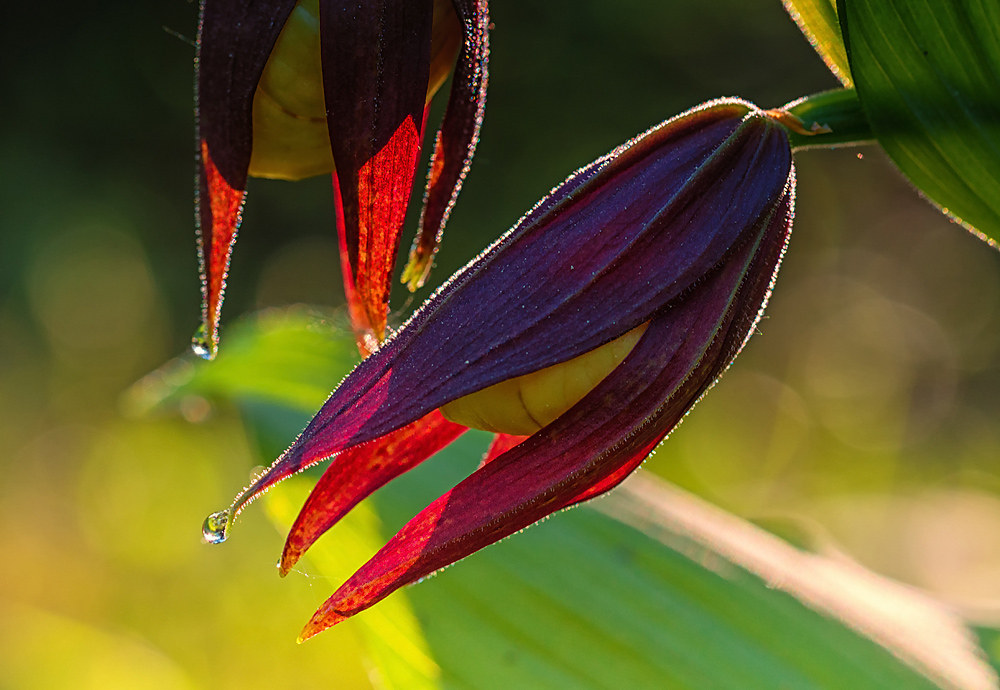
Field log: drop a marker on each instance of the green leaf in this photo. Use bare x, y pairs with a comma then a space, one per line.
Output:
391, 633
653, 588
989, 638
928, 75
290, 357
278, 368
817, 19
647, 588
827, 119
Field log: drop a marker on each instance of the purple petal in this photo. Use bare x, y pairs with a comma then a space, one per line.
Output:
235, 38
456, 140
614, 244
594, 445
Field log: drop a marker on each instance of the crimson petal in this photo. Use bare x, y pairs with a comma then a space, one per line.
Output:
357, 473
595, 444
456, 140
235, 38
615, 243
501, 444
376, 65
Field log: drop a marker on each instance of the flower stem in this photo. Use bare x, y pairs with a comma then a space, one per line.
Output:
826, 119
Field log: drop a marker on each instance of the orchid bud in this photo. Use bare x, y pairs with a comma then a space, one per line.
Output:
592, 327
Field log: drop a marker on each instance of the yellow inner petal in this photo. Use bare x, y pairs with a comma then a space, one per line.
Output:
290, 136
523, 405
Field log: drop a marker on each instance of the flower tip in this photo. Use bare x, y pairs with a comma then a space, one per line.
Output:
416, 272
288, 560
321, 620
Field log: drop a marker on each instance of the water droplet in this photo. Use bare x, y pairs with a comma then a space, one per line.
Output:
215, 527
202, 343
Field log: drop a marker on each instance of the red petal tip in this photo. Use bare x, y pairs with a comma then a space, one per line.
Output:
358, 472
324, 619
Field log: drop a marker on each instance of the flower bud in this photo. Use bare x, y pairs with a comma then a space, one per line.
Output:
615, 303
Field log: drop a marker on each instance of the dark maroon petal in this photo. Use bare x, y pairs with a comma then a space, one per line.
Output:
356, 473
456, 140
235, 38
594, 445
376, 65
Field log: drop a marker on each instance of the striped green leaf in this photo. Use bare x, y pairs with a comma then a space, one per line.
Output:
928, 76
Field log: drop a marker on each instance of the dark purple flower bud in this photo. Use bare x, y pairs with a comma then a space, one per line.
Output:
673, 241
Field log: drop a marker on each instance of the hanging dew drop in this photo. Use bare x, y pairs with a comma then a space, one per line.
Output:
214, 530
202, 343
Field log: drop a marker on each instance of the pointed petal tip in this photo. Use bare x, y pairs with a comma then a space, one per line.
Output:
358, 472
289, 557
456, 140
416, 271
324, 619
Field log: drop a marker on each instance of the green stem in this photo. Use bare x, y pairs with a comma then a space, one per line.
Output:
830, 118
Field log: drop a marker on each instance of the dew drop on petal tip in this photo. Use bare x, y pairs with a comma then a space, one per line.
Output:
201, 343
216, 526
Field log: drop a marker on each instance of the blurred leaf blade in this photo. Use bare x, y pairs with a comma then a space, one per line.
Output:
278, 367
989, 638
648, 587
927, 635
817, 19
292, 358
391, 633
671, 607
928, 75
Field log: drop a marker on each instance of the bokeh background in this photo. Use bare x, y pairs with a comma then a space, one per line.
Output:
864, 419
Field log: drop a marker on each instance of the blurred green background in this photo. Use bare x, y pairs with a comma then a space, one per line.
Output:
863, 419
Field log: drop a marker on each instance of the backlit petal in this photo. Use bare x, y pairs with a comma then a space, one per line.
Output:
376, 62
356, 473
501, 444
235, 38
592, 447
456, 141
601, 255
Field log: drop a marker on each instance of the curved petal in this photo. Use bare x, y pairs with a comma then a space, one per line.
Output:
456, 140
357, 473
501, 444
598, 257
235, 38
593, 446
376, 65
